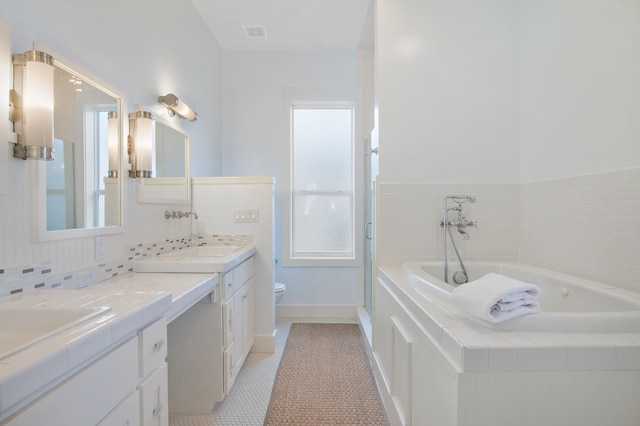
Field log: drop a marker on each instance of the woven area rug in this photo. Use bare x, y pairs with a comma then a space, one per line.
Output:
324, 378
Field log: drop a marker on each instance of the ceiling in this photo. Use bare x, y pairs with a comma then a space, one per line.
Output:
288, 24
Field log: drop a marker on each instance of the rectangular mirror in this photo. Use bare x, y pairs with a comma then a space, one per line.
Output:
170, 184
80, 192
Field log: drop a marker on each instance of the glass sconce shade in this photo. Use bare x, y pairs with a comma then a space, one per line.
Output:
114, 144
33, 87
142, 128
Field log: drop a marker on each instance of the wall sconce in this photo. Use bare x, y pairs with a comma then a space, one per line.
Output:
176, 107
113, 138
140, 144
32, 104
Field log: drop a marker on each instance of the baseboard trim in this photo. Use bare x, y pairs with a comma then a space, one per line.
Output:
345, 313
265, 344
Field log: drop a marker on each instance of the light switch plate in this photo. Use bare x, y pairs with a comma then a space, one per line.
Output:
246, 215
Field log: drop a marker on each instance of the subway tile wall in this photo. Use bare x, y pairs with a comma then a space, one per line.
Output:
408, 222
587, 226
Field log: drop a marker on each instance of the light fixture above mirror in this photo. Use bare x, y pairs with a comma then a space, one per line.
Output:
176, 107
32, 100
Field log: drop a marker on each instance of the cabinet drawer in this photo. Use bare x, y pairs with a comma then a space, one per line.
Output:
94, 392
154, 401
153, 347
242, 273
227, 284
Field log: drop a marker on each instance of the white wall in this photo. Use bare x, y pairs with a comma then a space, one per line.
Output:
254, 144
447, 90
541, 94
580, 91
135, 48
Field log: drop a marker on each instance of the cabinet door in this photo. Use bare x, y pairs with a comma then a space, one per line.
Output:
249, 325
239, 303
228, 322
127, 413
154, 403
95, 391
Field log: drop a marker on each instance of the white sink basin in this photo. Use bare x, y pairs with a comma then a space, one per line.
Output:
22, 327
197, 259
203, 251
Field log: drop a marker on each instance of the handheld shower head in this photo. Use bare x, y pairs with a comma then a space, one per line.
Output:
458, 198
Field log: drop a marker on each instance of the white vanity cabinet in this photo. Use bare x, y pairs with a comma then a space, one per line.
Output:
127, 385
209, 342
237, 308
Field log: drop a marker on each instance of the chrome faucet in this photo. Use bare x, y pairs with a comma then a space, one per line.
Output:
459, 222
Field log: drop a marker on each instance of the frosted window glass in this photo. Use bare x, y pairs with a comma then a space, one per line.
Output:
322, 152
322, 182
322, 225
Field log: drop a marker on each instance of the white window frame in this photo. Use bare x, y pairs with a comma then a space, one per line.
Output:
325, 98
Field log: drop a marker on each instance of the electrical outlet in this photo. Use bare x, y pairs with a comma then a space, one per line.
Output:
101, 248
202, 227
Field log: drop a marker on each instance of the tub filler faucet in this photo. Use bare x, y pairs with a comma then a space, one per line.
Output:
460, 222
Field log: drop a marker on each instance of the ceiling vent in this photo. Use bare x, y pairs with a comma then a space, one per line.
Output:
255, 32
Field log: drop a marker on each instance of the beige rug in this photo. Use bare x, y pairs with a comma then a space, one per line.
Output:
324, 378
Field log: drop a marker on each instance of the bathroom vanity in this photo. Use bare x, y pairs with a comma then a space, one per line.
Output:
209, 343
127, 350
112, 365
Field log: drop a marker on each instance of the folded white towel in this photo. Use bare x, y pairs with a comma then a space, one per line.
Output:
497, 298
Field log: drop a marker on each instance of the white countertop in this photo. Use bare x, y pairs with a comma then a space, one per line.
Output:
185, 289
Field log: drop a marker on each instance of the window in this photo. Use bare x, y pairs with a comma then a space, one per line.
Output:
324, 201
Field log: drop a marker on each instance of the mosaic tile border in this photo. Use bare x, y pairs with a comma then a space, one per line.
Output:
40, 275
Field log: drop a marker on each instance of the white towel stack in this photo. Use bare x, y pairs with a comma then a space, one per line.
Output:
497, 298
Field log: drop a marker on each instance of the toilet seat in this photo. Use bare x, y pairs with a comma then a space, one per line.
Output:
280, 288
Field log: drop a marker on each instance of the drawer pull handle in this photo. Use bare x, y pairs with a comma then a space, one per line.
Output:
157, 410
158, 345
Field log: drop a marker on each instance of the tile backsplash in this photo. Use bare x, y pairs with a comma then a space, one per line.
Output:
408, 222
588, 226
40, 275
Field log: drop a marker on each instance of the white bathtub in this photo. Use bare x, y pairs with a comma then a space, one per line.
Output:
567, 303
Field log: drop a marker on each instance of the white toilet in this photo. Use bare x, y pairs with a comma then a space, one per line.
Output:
280, 290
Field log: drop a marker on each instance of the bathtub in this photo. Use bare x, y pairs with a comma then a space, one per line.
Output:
577, 362
567, 303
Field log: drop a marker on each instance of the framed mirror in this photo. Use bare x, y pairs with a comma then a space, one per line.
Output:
170, 184
80, 192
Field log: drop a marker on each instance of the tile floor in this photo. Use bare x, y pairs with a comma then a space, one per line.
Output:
246, 404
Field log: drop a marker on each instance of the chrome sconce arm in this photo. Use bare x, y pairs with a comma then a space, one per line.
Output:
176, 107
